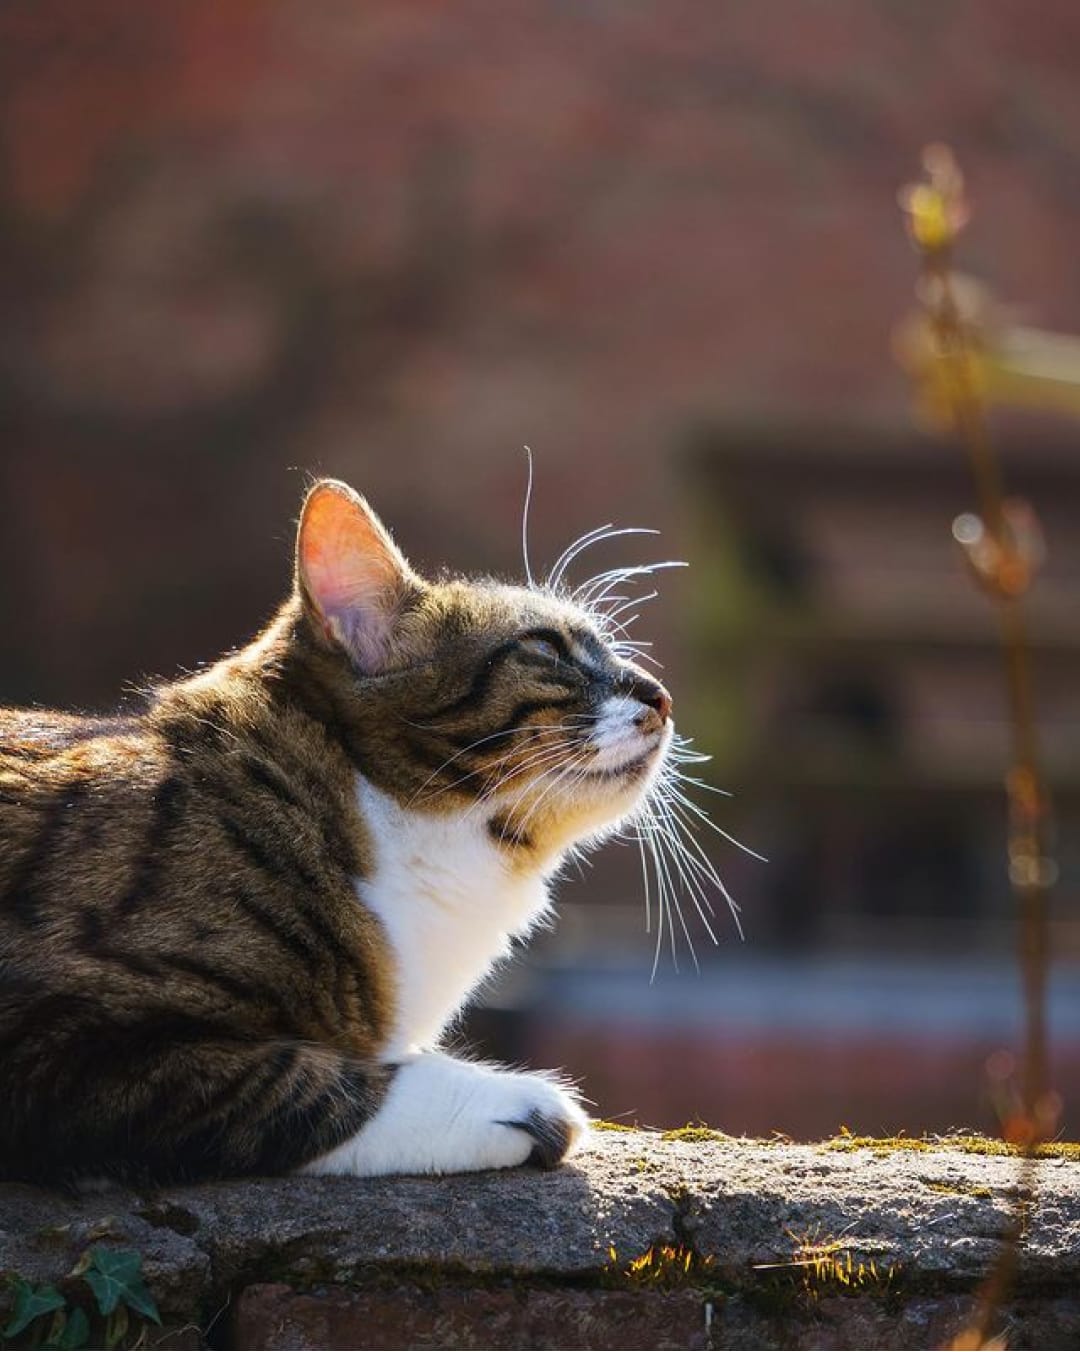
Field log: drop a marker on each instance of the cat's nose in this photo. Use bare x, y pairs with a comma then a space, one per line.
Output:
652, 694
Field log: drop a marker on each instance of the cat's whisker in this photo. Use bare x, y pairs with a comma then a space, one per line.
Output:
500, 784
539, 758
525, 521
572, 550
671, 860
611, 601
706, 820
479, 773
692, 853
535, 731
480, 741
671, 892
700, 784
575, 770
693, 863
664, 889
666, 825
586, 591
573, 764
644, 882
626, 603
586, 541
693, 875
638, 656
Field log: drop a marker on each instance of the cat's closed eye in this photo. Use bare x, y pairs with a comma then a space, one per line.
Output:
537, 645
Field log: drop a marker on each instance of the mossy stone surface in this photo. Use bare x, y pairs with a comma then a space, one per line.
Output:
926, 1216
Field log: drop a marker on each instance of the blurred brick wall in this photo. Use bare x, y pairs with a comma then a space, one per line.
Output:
394, 242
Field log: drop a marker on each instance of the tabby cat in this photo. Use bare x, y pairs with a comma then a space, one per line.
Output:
235, 924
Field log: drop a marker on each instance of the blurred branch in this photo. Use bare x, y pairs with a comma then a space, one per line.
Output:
1011, 365
961, 366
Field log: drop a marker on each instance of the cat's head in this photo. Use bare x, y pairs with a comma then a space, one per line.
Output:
471, 695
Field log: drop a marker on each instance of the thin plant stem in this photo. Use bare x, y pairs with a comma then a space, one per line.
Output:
1002, 559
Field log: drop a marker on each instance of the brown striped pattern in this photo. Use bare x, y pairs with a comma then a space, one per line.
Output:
189, 987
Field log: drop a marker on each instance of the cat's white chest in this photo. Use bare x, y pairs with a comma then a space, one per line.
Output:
449, 905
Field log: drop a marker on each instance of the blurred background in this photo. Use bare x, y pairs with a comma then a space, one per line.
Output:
659, 243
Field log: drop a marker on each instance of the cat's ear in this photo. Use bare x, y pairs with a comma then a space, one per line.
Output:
350, 574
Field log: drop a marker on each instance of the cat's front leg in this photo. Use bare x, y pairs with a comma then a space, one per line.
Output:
443, 1116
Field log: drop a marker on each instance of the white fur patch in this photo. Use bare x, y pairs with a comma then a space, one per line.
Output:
447, 1116
449, 904
616, 735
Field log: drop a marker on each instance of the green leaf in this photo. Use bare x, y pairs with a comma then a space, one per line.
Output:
116, 1327
115, 1275
77, 1333
73, 1333
29, 1303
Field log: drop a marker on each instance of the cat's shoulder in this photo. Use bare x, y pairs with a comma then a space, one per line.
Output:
30, 736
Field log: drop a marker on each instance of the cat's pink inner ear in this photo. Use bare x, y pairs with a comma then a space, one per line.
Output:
351, 571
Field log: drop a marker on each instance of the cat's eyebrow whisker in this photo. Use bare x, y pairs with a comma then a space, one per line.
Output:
625, 604
604, 601
598, 584
615, 598
641, 657
571, 552
586, 541
525, 520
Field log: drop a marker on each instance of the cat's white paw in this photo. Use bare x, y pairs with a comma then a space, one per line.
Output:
444, 1116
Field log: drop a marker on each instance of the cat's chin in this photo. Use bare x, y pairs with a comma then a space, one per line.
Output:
628, 772
636, 769
603, 798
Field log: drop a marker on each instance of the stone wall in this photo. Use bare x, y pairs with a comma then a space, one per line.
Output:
688, 1240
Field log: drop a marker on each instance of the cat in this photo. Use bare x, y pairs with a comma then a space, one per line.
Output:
235, 924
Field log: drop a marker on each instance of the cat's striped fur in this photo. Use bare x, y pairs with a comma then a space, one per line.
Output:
234, 924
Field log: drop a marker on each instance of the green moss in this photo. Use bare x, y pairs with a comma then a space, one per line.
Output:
663, 1267
694, 1133
697, 1133
957, 1189
968, 1145
880, 1145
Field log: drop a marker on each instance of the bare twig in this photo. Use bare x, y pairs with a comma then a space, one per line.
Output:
1003, 548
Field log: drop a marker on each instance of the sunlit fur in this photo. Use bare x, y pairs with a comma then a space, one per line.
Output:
236, 921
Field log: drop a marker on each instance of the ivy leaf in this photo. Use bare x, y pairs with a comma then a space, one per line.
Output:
74, 1333
77, 1333
29, 1303
115, 1275
116, 1328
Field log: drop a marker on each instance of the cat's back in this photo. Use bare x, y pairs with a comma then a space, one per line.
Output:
70, 789
157, 860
